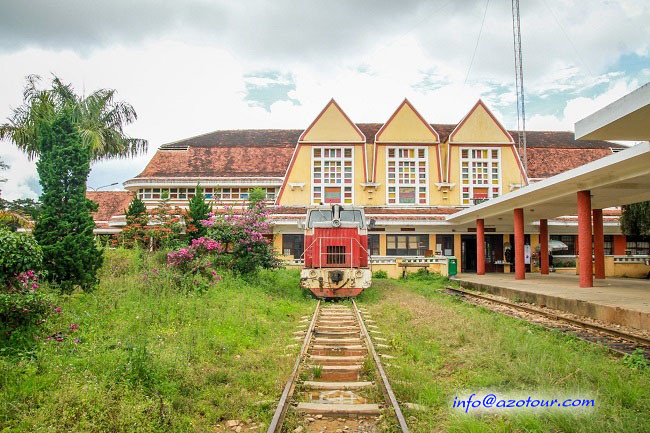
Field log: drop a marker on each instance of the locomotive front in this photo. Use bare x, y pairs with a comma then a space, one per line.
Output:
336, 252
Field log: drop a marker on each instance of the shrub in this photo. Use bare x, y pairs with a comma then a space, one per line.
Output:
198, 211
242, 235
64, 229
20, 253
380, 275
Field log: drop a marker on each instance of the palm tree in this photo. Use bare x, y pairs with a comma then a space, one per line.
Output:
99, 118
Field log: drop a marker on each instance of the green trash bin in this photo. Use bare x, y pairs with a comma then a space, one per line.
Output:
452, 266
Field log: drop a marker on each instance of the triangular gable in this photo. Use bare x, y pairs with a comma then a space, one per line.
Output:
481, 127
406, 125
332, 125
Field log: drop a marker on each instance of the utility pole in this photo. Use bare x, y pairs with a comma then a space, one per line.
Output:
519, 83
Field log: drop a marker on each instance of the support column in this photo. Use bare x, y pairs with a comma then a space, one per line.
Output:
480, 247
599, 245
520, 264
585, 266
543, 246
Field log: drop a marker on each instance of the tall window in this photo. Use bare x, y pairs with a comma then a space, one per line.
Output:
480, 174
406, 245
332, 174
406, 169
445, 245
293, 245
637, 245
373, 244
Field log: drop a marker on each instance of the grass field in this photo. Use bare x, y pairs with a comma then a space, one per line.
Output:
445, 348
143, 360
150, 360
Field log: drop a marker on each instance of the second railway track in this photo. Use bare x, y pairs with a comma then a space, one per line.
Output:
618, 341
338, 380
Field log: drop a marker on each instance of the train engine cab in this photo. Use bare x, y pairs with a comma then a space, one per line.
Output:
336, 252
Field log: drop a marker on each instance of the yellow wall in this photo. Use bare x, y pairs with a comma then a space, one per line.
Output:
332, 126
480, 127
405, 126
457, 252
300, 173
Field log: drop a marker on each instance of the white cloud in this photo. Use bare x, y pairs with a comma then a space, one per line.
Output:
185, 68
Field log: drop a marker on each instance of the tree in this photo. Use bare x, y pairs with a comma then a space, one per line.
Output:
3, 167
64, 229
635, 219
98, 120
255, 196
198, 211
137, 211
165, 225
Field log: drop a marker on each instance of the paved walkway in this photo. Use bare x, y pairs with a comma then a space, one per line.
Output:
624, 301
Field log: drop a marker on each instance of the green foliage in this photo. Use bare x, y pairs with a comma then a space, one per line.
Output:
242, 235
147, 359
166, 225
255, 196
635, 219
137, 211
20, 253
198, 211
97, 118
380, 275
637, 360
3, 167
64, 229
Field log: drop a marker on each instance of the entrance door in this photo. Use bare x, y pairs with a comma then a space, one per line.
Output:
493, 251
468, 253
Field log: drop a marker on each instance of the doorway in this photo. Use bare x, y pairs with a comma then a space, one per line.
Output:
468, 253
493, 252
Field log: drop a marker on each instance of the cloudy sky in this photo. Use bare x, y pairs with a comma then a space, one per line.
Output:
193, 66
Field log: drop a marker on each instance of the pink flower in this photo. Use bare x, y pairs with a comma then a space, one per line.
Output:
58, 309
76, 340
155, 271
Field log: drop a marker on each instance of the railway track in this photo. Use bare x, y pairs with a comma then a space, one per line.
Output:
618, 341
338, 381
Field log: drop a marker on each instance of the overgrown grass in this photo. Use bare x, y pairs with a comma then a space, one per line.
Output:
146, 359
446, 348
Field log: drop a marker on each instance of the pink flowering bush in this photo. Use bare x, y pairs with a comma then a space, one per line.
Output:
22, 303
242, 236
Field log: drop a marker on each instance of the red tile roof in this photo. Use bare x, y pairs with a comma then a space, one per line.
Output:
110, 203
547, 162
267, 152
220, 161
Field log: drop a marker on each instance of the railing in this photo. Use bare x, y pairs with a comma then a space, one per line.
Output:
334, 257
638, 259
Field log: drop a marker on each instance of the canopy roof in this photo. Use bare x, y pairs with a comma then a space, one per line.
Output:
618, 179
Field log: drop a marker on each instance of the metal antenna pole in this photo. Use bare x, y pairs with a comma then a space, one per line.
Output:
519, 82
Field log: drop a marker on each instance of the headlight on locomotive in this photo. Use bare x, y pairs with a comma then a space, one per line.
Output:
312, 273
358, 273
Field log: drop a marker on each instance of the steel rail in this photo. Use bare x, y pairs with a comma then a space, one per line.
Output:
384, 379
619, 334
283, 404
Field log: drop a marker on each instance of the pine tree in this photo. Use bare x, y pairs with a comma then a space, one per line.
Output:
137, 211
198, 210
64, 229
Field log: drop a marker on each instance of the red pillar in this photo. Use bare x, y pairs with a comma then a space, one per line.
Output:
620, 244
584, 239
543, 246
480, 247
520, 264
599, 245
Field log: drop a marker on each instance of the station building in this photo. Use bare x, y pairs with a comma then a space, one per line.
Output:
408, 175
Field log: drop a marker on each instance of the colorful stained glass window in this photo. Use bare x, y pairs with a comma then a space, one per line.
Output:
332, 174
407, 175
480, 174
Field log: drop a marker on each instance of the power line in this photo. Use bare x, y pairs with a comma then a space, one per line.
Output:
566, 35
487, 3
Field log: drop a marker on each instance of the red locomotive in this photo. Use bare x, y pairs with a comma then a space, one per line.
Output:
337, 263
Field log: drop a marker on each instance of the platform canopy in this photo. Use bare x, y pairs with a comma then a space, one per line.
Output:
618, 179
627, 119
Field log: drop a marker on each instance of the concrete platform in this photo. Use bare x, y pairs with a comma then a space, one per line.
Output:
622, 301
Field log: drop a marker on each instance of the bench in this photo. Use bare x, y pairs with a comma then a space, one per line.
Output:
405, 265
